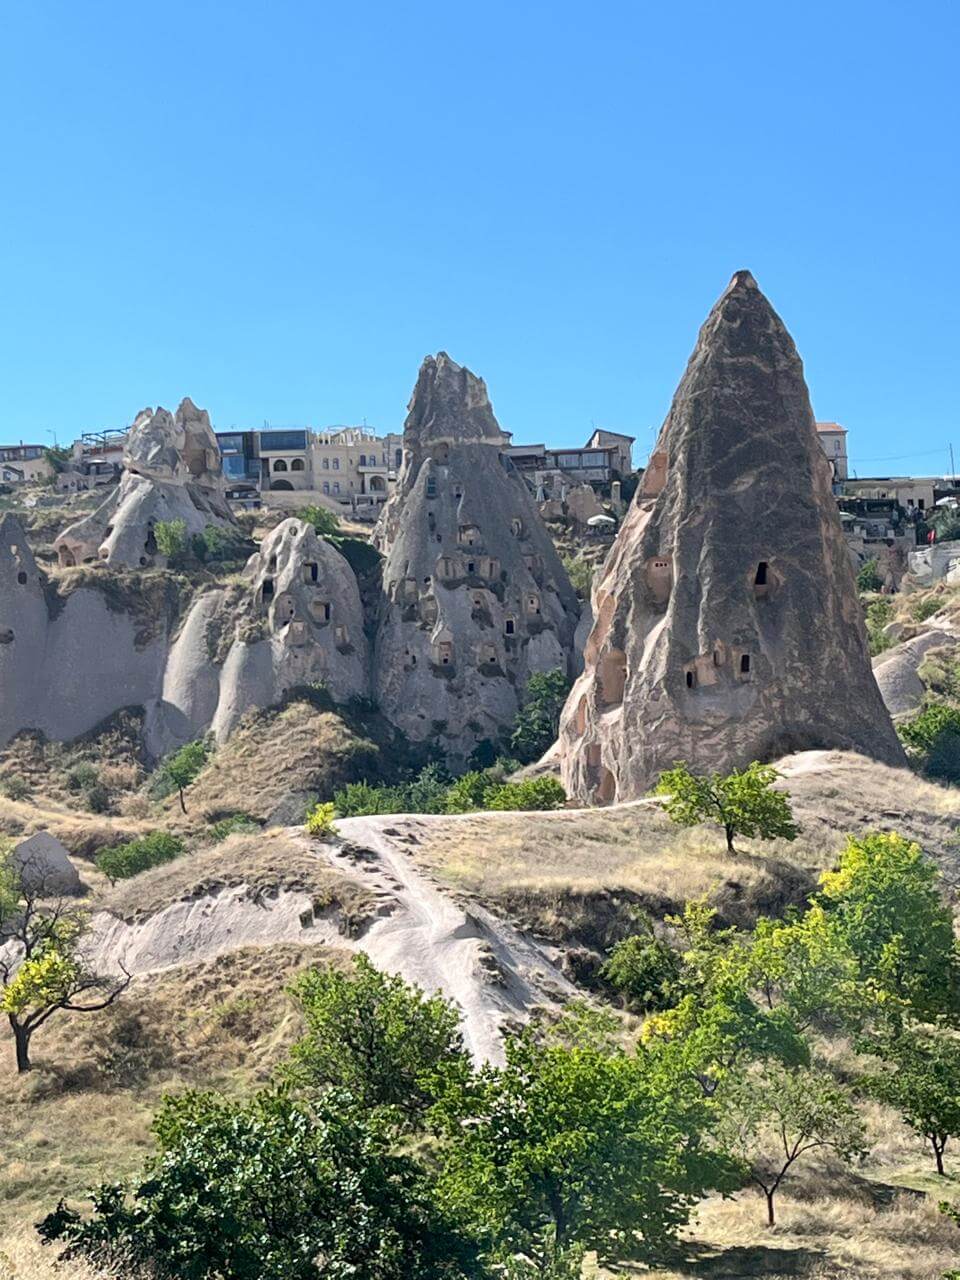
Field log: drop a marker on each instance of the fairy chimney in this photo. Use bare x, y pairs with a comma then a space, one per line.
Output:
475, 598
727, 626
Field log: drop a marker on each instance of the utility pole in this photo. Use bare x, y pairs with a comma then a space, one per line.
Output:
953, 473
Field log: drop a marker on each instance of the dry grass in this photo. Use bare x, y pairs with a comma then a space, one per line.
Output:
575, 873
264, 861
83, 1114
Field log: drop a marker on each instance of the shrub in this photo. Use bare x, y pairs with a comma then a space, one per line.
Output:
320, 820
324, 522
533, 793
121, 861
932, 739
925, 609
97, 799
467, 792
171, 536
868, 577
361, 799
645, 970
580, 572
15, 787
878, 614
236, 823
81, 776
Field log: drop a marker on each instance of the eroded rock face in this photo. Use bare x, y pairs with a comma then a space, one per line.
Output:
475, 598
727, 627
296, 621
171, 472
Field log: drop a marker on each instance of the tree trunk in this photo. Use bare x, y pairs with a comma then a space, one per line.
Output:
938, 1154
21, 1039
771, 1221
182, 805
730, 833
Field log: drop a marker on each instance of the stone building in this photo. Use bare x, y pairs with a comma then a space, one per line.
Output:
727, 627
475, 598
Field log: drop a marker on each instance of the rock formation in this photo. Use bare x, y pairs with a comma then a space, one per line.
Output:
43, 866
727, 626
475, 598
171, 472
297, 620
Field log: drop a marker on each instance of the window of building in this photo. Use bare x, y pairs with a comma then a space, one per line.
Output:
326, 487
279, 464
336, 486
363, 459
431, 486
745, 663
296, 464
397, 457
326, 464
336, 464
509, 627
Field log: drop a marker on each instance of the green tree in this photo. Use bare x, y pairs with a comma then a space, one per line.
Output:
572, 1145
270, 1188
932, 739
386, 1042
778, 1114
868, 577
183, 766
42, 965
531, 793
885, 903
171, 536
580, 572
743, 802
324, 522
644, 969
320, 818
807, 965
920, 1077
538, 720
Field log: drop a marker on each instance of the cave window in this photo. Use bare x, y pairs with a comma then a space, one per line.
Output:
458, 490
533, 604
760, 577
267, 588
516, 526
691, 679
310, 571
22, 578
320, 610
745, 664
150, 546
509, 627
431, 521
717, 658
431, 486
341, 636
471, 566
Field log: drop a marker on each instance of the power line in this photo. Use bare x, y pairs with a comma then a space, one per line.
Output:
902, 457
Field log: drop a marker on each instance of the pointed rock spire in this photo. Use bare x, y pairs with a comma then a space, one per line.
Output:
727, 623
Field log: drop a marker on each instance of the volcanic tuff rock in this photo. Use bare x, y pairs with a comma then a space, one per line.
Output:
475, 598
171, 472
727, 622
297, 620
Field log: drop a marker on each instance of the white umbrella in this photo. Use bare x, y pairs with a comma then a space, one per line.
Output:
596, 522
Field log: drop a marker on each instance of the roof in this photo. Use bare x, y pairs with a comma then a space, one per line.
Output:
615, 435
831, 427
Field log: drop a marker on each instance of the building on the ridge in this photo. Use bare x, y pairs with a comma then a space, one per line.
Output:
833, 441
606, 457
24, 462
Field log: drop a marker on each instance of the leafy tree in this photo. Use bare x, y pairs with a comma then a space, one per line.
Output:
121, 861
778, 1114
320, 819
575, 1145
644, 969
180, 769
171, 536
580, 572
532, 793
743, 802
921, 1079
807, 965
270, 1188
538, 720
885, 904
324, 522
42, 966
15, 787
932, 739
877, 614
868, 577
468, 792
384, 1040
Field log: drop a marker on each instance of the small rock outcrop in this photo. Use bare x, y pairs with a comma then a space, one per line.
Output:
297, 620
727, 626
475, 598
171, 472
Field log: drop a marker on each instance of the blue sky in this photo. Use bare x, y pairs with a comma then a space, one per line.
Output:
280, 208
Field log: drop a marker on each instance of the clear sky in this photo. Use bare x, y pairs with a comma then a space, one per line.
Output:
280, 208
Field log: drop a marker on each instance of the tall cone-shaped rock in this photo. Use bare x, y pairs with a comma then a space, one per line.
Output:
727, 627
475, 598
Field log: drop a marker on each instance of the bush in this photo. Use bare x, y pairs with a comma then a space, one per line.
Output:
645, 970
324, 522
236, 823
121, 861
868, 577
580, 572
171, 536
878, 614
925, 609
97, 799
81, 776
467, 792
932, 739
320, 820
534, 793
15, 787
